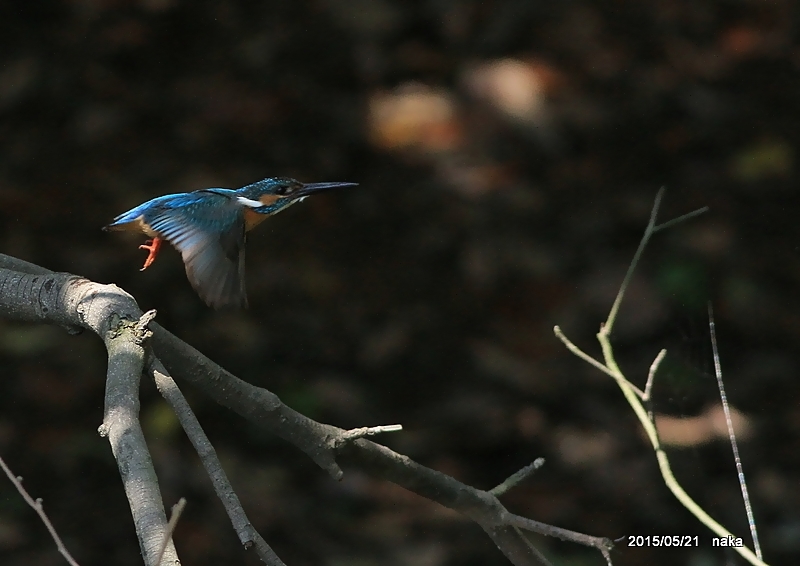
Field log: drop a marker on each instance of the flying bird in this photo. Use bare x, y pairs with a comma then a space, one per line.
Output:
209, 227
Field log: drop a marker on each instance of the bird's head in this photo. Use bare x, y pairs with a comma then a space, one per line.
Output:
276, 193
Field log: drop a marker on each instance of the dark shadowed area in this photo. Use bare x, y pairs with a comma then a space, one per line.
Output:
508, 153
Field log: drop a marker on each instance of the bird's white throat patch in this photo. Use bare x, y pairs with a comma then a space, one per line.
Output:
249, 202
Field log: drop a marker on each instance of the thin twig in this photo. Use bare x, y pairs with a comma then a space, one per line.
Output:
564, 534
39, 508
538, 553
739, 470
356, 433
648, 387
679, 219
517, 477
572, 347
177, 509
590, 360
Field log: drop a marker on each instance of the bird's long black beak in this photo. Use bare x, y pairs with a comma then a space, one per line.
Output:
311, 188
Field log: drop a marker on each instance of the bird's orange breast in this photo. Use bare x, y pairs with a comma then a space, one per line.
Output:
252, 219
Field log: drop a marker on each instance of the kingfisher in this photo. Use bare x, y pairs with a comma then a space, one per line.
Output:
209, 228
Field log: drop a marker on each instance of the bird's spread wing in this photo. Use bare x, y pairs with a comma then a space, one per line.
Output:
207, 228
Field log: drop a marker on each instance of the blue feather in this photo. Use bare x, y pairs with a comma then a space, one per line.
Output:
207, 228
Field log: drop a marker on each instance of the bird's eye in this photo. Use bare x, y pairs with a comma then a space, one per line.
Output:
282, 190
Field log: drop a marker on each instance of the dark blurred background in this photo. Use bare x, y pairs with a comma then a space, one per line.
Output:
508, 153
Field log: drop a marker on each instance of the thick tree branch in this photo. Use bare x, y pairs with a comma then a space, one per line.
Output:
74, 302
121, 426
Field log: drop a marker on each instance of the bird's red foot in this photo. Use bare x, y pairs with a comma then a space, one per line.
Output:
152, 246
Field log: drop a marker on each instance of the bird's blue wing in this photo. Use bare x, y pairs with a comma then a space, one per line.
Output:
133, 219
207, 228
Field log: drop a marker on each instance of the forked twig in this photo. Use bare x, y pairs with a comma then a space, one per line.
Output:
634, 396
651, 229
590, 360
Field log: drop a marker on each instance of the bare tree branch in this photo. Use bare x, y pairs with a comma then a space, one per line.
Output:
248, 535
324, 444
75, 302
